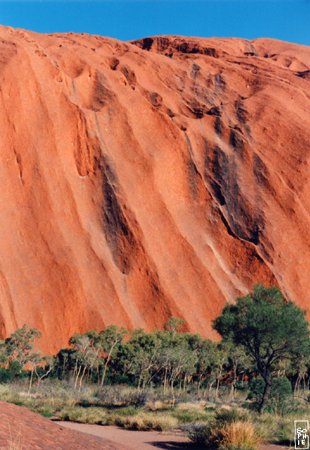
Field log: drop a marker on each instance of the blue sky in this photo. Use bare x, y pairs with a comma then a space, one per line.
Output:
130, 19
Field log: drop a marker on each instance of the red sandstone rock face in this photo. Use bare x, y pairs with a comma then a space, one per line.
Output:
23, 429
148, 179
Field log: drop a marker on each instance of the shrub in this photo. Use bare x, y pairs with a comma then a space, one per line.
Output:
127, 411
276, 429
237, 436
84, 415
227, 416
229, 430
281, 392
190, 416
146, 422
157, 405
6, 375
121, 396
200, 433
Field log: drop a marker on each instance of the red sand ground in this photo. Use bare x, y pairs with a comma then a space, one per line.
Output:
149, 179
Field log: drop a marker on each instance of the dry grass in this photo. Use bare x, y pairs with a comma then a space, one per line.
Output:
278, 429
129, 418
193, 406
238, 436
157, 405
79, 414
146, 422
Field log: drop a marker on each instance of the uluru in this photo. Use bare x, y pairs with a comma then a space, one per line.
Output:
148, 179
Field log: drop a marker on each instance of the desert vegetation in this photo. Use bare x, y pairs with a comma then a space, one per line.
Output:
229, 394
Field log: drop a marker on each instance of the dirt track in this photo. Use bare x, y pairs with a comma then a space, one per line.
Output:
142, 440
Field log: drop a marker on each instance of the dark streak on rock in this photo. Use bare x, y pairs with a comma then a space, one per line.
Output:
170, 113
192, 170
197, 109
119, 236
214, 111
147, 43
129, 75
192, 175
192, 48
221, 175
155, 99
220, 83
114, 63
241, 111
305, 74
218, 128
101, 95
195, 71
260, 171
236, 141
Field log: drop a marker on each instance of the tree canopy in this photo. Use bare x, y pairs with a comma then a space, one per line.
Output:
268, 327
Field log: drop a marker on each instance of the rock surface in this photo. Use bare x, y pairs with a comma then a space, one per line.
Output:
23, 429
142, 180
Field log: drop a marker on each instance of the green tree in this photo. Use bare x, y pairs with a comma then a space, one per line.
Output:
19, 348
65, 362
205, 352
219, 358
3, 353
110, 339
238, 360
176, 359
86, 352
281, 392
145, 350
268, 327
174, 324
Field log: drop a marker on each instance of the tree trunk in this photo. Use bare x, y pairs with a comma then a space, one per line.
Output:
40, 378
77, 377
30, 381
210, 389
75, 369
304, 382
139, 382
297, 383
172, 391
218, 385
107, 363
198, 386
266, 394
165, 381
232, 391
64, 367
233, 383
82, 377
104, 371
